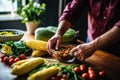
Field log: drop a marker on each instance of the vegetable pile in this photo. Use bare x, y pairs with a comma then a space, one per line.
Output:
14, 51
71, 72
15, 48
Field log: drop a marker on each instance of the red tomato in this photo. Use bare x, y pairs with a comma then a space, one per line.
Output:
11, 57
17, 59
90, 71
11, 61
92, 76
5, 59
2, 56
63, 79
22, 56
102, 73
64, 76
90, 68
77, 69
82, 68
54, 78
85, 75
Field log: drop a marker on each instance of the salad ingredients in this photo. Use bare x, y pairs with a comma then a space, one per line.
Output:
15, 48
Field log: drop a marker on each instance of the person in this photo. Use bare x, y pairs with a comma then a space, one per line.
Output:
103, 26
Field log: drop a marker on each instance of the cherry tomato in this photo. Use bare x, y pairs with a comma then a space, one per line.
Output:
82, 68
11, 57
85, 75
90, 68
54, 78
63, 79
2, 56
5, 59
77, 69
11, 61
17, 59
90, 71
64, 76
102, 73
22, 56
92, 76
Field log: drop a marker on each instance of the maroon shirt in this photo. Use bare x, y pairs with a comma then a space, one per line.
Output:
102, 16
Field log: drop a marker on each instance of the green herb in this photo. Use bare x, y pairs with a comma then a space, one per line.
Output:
18, 47
33, 11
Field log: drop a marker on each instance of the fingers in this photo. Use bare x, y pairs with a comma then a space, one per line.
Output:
57, 44
49, 47
77, 52
50, 44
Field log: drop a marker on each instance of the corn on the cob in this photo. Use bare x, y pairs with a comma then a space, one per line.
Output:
44, 74
37, 44
19, 62
27, 66
38, 53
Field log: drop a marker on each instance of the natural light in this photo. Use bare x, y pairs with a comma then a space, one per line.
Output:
6, 5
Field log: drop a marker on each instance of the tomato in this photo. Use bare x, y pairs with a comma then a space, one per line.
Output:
11, 61
102, 73
17, 59
92, 76
22, 56
90, 71
64, 76
77, 69
11, 57
89, 68
5, 59
54, 78
82, 68
2, 56
85, 75
63, 79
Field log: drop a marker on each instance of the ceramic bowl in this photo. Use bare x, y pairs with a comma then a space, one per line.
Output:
17, 35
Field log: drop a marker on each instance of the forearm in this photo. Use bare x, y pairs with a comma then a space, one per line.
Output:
108, 38
63, 27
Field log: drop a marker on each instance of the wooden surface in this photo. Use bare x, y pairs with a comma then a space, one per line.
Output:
101, 60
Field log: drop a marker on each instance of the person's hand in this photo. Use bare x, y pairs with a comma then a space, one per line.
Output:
54, 41
83, 51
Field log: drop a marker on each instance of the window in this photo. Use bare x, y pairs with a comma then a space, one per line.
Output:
6, 5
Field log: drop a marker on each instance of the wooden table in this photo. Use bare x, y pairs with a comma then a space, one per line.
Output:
100, 59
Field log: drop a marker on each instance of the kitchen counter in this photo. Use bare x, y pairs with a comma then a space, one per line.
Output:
101, 60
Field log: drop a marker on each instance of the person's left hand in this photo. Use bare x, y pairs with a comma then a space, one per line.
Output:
83, 51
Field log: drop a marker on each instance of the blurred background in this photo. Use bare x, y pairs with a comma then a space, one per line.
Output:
54, 10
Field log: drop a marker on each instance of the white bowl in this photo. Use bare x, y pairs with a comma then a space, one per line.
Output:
18, 34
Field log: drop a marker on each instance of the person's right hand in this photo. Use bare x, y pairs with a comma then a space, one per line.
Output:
54, 42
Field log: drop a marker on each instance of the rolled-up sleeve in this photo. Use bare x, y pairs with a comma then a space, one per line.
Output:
118, 24
73, 10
